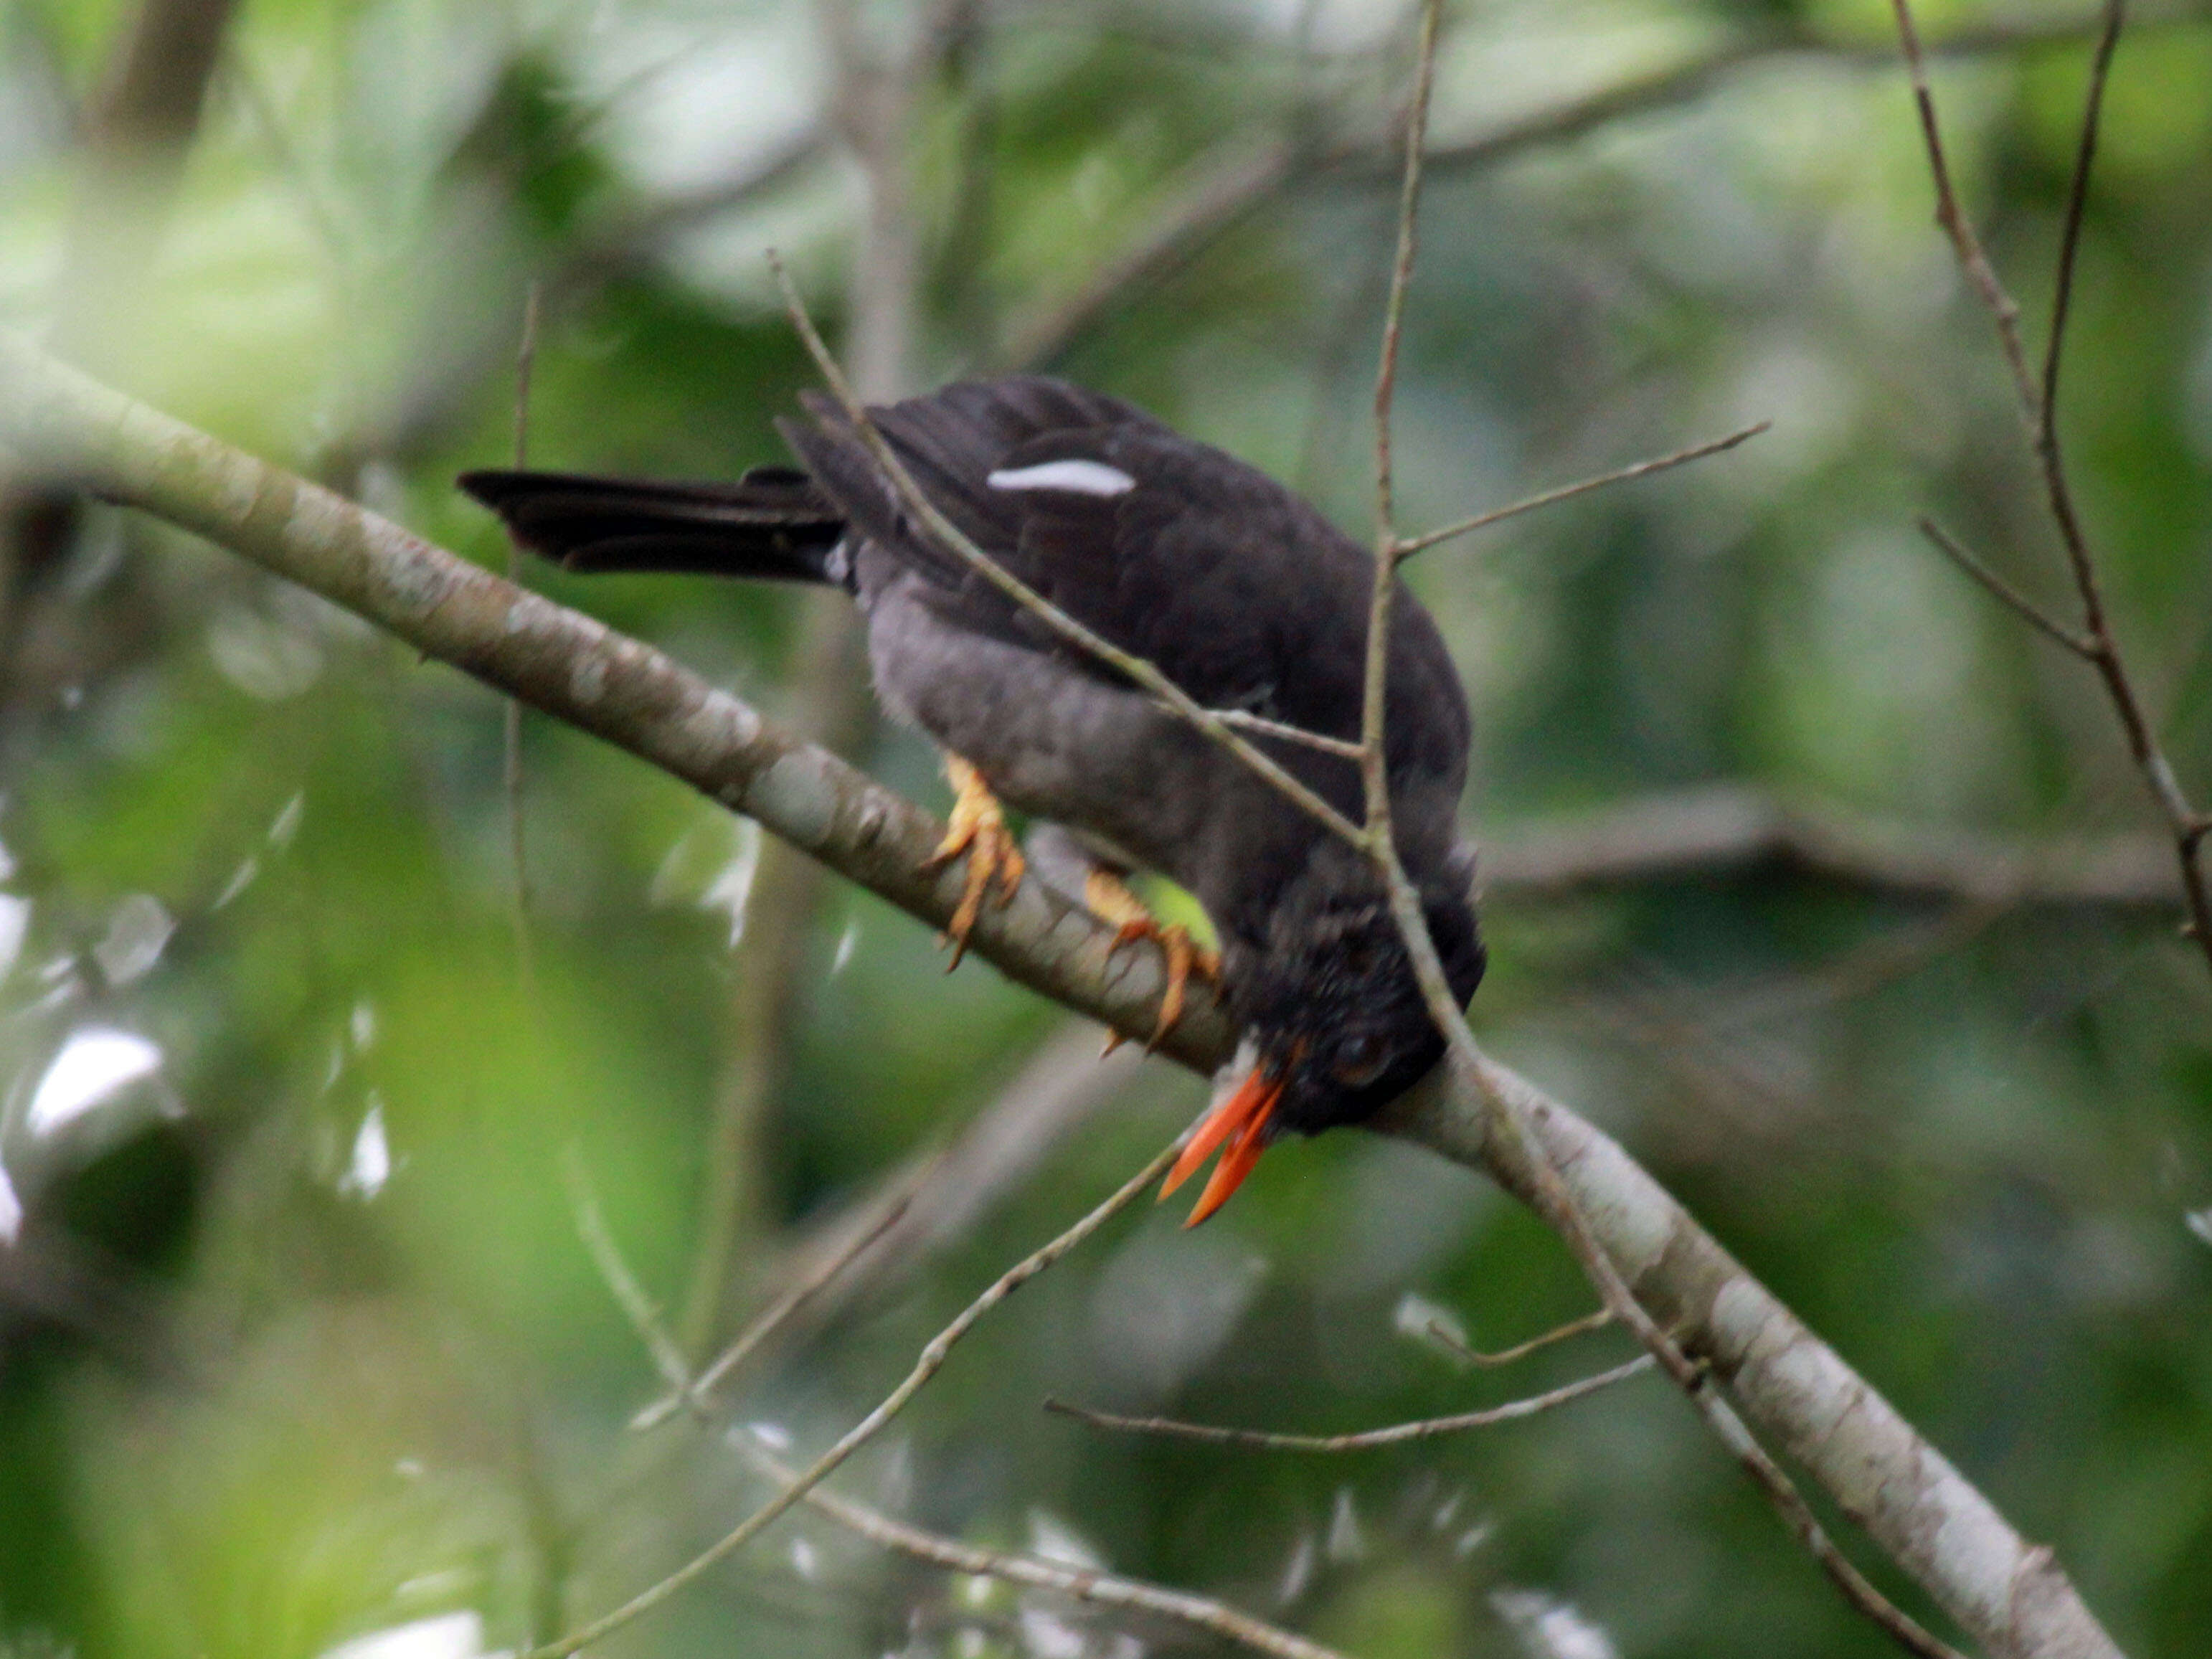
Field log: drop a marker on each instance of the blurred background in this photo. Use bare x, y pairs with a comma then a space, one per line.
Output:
1813, 874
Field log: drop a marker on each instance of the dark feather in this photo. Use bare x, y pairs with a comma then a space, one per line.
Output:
773, 524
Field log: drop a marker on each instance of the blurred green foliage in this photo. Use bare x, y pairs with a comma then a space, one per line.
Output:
297, 1343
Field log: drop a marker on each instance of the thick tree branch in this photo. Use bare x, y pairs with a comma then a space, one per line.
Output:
2011, 1595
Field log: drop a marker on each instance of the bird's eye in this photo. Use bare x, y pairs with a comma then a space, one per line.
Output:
1358, 1061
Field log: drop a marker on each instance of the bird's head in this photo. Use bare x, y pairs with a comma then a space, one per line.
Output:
1334, 1024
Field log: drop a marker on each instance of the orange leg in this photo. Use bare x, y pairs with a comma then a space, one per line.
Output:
1110, 900
979, 830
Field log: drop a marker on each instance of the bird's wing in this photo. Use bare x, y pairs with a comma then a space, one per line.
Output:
1171, 550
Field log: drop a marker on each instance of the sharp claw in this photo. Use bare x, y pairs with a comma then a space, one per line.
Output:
1114, 1040
1175, 943
1111, 901
977, 829
971, 906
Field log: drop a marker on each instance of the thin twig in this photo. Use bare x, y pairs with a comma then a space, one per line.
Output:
2077, 200
591, 1227
699, 1395
1081, 1583
1413, 544
1428, 1428
1244, 720
1458, 1348
949, 535
926, 1366
2006, 594
1394, 313
1973, 260
1374, 760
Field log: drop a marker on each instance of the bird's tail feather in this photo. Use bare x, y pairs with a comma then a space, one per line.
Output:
772, 525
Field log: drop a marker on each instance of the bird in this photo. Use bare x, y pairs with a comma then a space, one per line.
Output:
1232, 586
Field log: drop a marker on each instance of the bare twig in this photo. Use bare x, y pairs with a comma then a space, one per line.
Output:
1060, 1086
1374, 760
697, 1394
1081, 1583
1413, 545
1458, 1348
2006, 594
2077, 201
926, 1366
1244, 720
526, 359
1397, 1434
1964, 244
949, 536
606, 1255
2096, 643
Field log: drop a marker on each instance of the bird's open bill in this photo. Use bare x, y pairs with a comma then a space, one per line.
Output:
1241, 1120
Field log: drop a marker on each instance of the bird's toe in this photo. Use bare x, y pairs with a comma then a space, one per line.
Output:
978, 829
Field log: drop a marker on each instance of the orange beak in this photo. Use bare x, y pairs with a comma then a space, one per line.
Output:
1238, 1120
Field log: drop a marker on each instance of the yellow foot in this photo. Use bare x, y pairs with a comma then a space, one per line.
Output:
979, 830
1110, 900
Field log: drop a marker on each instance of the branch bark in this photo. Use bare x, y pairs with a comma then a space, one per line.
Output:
1726, 827
2011, 1595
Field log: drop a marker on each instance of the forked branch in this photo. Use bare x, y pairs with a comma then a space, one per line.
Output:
2095, 642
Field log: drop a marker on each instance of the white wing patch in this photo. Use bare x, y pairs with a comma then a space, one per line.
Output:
1077, 478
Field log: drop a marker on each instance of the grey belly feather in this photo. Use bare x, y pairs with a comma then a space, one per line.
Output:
1055, 743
